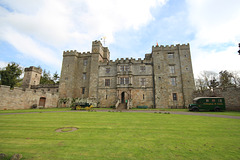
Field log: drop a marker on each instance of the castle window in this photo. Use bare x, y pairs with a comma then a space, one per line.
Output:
85, 62
172, 69
158, 67
83, 90
84, 76
107, 82
121, 80
107, 70
173, 81
159, 78
66, 78
142, 81
171, 55
106, 96
143, 96
35, 75
187, 69
126, 80
174, 96
124, 68
121, 68
142, 68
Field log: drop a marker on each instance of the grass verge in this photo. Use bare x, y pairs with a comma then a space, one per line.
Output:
119, 135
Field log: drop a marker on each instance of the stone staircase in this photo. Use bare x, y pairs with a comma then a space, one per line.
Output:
122, 106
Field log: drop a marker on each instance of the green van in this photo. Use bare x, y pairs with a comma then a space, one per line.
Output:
207, 103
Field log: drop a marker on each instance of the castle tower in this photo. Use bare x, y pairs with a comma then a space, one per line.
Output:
79, 74
32, 76
172, 76
67, 85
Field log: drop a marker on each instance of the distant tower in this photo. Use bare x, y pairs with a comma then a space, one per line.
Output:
32, 76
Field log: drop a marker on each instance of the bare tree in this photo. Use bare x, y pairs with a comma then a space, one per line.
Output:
235, 77
200, 85
210, 79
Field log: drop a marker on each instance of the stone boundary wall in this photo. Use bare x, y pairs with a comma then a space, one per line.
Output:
19, 98
231, 95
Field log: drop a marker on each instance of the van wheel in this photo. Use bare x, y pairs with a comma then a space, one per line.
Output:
217, 109
195, 109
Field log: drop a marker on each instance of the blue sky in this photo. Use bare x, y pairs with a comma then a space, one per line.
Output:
35, 33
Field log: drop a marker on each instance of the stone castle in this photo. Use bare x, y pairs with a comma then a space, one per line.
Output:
163, 79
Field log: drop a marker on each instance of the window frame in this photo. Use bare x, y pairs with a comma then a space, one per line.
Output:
173, 81
174, 95
172, 69
107, 82
84, 76
85, 62
170, 55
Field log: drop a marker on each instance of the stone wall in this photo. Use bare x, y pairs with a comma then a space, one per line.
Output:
231, 95
19, 98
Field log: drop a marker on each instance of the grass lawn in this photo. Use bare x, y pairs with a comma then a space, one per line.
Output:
119, 135
229, 113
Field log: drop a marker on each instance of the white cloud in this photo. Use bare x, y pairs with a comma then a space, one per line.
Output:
216, 24
215, 60
40, 28
30, 48
215, 21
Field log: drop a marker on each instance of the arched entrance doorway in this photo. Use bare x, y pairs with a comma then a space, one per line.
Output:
42, 101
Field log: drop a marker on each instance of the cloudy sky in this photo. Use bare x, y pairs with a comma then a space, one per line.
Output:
36, 32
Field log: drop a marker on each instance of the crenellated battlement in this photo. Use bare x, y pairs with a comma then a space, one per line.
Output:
75, 53
32, 68
127, 61
170, 47
96, 42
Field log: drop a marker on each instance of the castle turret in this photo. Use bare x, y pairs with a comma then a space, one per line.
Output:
32, 76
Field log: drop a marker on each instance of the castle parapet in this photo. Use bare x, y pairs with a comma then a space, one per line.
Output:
171, 47
75, 53
32, 68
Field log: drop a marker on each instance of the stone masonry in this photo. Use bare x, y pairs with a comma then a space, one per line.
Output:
163, 79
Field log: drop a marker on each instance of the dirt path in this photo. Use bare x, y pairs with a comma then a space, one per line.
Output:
140, 111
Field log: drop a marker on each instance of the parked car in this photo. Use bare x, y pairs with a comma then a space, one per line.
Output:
79, 106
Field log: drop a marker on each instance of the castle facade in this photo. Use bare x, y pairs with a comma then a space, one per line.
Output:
163, 79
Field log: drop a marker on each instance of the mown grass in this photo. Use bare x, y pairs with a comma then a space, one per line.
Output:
119, 135
229, 113
35, 110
